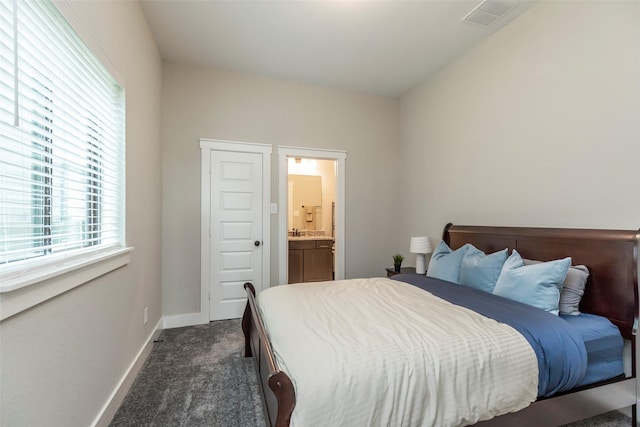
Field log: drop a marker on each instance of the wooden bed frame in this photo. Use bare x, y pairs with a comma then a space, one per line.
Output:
611, 291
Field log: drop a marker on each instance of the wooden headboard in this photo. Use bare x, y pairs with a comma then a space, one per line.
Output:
610, 255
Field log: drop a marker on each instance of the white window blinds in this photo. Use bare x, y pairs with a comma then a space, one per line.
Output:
61, 142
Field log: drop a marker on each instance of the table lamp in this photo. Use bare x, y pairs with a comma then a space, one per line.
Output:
420, 246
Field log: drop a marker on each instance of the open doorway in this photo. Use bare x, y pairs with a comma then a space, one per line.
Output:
311, 195
311, 220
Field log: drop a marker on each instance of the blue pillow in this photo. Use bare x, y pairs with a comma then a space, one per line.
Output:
572, 288
481, 271
445, 263
538, 285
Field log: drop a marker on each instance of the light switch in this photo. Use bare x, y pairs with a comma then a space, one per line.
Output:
274, 208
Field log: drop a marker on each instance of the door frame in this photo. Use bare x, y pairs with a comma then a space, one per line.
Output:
339, 156
206, 147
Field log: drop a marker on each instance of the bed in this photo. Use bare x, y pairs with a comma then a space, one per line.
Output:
611, 293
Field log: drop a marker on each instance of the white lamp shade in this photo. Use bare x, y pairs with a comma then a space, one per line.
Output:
420, 245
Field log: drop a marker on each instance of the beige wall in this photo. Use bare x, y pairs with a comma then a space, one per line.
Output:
61, 360
205, 103
539, 125
328, 173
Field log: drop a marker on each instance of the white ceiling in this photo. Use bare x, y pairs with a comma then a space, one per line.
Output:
378, 47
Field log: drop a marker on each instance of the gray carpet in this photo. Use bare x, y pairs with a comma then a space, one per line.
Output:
197, 376
611, 419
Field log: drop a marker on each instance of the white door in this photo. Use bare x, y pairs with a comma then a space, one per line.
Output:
236, 231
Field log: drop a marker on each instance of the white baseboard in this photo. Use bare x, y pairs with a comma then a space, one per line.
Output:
181, 320
117, 396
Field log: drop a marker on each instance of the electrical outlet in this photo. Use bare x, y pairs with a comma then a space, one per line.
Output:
146, 315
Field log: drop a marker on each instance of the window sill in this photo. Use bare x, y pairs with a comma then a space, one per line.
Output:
20, 294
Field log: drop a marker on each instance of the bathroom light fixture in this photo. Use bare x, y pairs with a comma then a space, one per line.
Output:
301, 166
420, 246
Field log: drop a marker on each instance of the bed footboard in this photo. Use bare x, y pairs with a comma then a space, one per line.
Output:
276, 388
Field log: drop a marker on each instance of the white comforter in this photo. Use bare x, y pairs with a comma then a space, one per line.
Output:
378, 352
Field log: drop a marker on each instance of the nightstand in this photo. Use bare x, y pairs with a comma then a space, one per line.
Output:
403, 270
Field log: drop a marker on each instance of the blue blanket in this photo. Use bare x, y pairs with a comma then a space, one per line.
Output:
561, 353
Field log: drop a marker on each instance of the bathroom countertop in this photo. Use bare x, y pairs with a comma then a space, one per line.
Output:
310, 238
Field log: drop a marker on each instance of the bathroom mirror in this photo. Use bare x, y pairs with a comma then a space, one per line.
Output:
305, 206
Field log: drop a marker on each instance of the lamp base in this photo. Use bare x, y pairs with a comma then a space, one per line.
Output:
421, 264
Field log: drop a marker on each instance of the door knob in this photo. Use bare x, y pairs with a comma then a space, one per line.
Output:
257, 243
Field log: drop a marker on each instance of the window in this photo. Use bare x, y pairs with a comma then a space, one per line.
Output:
61, 144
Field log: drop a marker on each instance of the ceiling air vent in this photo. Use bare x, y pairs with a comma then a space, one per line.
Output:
488, 12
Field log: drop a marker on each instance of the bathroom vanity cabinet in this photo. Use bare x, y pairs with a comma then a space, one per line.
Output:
310, 260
